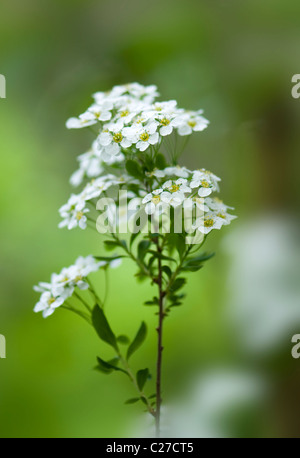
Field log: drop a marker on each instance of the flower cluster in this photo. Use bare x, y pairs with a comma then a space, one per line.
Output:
193, 188
62, 285
129, 117
129, 121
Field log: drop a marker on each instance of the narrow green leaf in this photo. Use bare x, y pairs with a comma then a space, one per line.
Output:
133, 237
178, 283
167, 271
198, 259
141, 378
110, 245
138, 340
132, 400
142, 249
102, 327
107, 367
161, 256
108, 258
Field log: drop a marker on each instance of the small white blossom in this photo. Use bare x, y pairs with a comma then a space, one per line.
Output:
208, 223
112, 139
62, 285
73, 213
192, 121
143, 136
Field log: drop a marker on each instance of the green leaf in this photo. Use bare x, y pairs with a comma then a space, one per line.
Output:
107, 367
141, 378
167, 271
138, 340
178, 283
108, 258
161, 162
102, 327
133, 237
132, 400
161, 256
110, 245
124, 340
198, 259
154, 301
142, 249
134, 169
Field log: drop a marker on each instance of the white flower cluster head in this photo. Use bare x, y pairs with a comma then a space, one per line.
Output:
128, 120
191, 189
129, 117
62, 285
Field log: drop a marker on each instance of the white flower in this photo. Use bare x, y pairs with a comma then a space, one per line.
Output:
161, 109
176, 171
152, 200
113, 138
180, 185
195, 201
73, 213
80, 122
62, 285
90, 165
208, 223
214, 203
48, 303
191, 121
96, 187
145, 93
99, 112
205, 181
144, 136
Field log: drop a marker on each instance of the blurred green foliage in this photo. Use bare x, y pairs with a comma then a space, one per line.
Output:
234, 59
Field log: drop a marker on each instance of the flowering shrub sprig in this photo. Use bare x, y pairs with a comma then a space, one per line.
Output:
169, 211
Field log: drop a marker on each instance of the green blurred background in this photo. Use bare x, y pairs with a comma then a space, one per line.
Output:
235, 59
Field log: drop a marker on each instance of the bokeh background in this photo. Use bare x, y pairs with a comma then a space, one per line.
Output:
228, 369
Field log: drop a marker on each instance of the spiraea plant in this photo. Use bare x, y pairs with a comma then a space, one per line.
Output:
146, 208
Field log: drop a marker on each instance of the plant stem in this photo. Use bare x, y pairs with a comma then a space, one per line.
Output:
159, 343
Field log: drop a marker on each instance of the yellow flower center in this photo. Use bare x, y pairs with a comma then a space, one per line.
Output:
156, 199
144, 136
165, 122
174, 188
51, 300
78, 278
192, 124
124, 113
97, 114
79, 215
204, 184
118, 137
221, 215
208, 222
